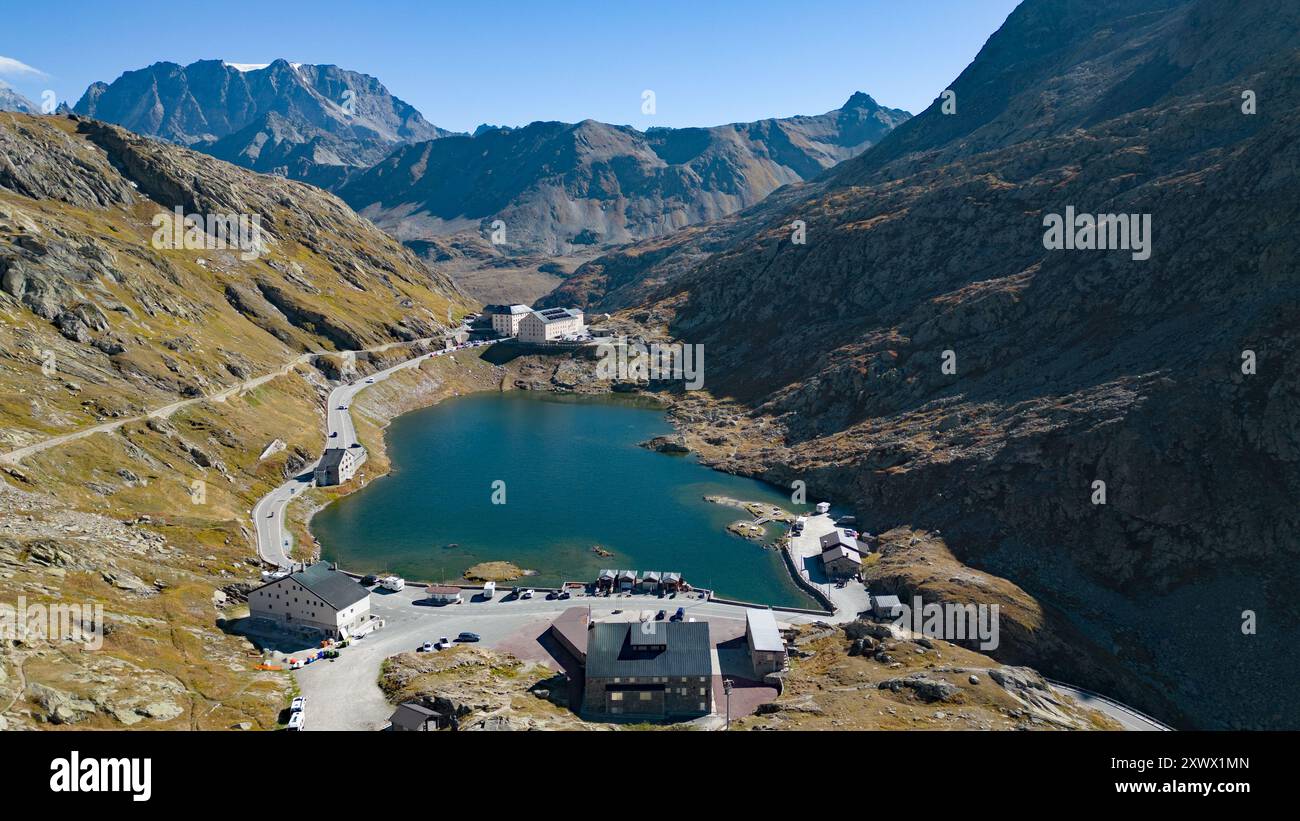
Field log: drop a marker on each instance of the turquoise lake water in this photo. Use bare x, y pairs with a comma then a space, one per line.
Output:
574, 477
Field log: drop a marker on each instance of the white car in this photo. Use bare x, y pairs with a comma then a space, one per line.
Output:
443, 643
370, 381
427, 647
296, 721
298, 705
527, 594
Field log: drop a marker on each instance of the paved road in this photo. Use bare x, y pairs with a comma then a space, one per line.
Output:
13, 457
806, 551
344, 694
1128, 718
268, 514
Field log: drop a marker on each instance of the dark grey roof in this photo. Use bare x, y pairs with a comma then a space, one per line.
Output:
611, 652
331, 458
648, 634
412, 716
336, 589
549, 315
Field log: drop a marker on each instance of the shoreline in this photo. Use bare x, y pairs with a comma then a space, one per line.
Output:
379, 449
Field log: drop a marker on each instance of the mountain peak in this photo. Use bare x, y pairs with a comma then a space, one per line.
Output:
860, 99
303, 106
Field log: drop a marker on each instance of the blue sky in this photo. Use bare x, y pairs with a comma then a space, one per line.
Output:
509, 63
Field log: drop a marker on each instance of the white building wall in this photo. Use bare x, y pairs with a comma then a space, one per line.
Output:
290, 603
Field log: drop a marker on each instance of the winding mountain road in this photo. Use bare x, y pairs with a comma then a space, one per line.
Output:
273, 543
16, 456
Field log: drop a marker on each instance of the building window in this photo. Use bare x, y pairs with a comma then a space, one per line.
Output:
703, 707
615, 696
702, 691
645, 695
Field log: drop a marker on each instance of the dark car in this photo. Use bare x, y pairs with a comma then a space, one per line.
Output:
661, 615
679, 615
467, 637
369, 580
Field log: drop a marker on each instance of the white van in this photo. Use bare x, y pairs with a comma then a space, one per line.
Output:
823, 507
393, 583
489, 589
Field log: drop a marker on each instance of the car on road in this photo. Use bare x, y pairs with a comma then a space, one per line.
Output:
467, 636
366, 581
564, 594
343, 407
296, 721
443, 643
334, 434
527, 594
679, 615
615, 612
370, 381
427, 647
298, 705
661, 615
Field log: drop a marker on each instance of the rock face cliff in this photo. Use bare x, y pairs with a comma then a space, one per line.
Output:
306, 122
1174, 379
562, 188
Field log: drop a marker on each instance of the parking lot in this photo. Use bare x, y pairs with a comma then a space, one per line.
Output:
344, 694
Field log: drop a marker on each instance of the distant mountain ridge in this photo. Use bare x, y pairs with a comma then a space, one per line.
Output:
561, 187
306, 122
12, 100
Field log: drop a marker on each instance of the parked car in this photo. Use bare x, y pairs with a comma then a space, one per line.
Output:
552, 595
296, 721
298, 704
527, 594
564, 594
393, 583
680, 614
295, 664
661, 615
369, 580
370, 381
467, 636
443, 643
427, 647
334, 434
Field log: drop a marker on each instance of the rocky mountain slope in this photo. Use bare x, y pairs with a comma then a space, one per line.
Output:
306, 122
562, 188
99, 325
1069, 366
